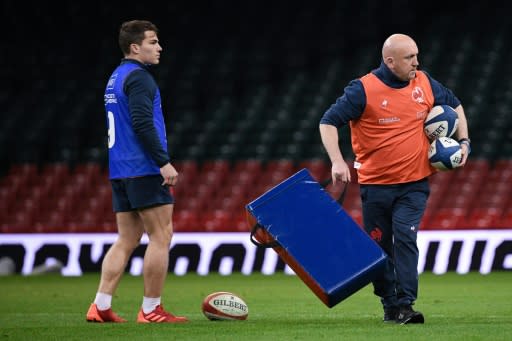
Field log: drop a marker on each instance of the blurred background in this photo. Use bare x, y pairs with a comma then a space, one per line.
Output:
244, 85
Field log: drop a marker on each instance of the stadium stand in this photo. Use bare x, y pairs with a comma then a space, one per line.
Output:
243, 89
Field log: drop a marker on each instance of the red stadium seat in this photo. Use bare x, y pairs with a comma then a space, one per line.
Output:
59, 171
318, 168
7, 198
193, 203
441, 178
104, 191
425, 221
504, 221
480, 165
216, 165
474, 170
85, 221
188, 172
436, 197
352, 196
22, 175
253, 166
438, 222
25, 169
185, 220
240, 223
479, 220
357, 215
500, 173
234, 190
504, 164
203, 191
217, 221
91, 168
276, 176
20, 222
455, 200
444, 218
29, 206
17, 184
494, 194
229, 204
68, 192
239, 186
498, 201
108, 226
214, 174
53, 221
283, 165
213, 177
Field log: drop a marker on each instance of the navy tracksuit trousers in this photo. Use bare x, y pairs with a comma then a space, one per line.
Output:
391, 216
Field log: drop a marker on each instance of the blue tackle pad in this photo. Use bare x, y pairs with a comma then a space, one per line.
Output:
315, 237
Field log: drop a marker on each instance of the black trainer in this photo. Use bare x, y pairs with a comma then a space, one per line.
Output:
407, 315
390, 314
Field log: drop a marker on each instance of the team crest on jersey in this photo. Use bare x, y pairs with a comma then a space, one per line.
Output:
376, 234
112, 82
417, 94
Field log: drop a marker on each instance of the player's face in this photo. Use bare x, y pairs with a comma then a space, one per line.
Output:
149, 50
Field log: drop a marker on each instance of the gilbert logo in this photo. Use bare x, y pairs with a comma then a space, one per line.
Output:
417, 94
376, 234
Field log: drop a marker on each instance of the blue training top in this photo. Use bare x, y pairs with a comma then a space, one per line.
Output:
137, 138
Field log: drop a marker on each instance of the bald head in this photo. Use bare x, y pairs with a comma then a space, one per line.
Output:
396, 42
400, 54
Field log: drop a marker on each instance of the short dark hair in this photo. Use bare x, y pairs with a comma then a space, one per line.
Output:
132, 32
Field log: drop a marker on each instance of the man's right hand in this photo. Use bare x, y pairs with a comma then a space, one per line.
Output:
169, 174
340, 172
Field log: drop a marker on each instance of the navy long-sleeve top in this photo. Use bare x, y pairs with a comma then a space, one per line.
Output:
140, 87
352, 103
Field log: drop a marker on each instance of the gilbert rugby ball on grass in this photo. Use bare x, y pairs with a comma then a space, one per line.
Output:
224, 305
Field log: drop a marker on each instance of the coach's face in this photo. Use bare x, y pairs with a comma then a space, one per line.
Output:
401, 57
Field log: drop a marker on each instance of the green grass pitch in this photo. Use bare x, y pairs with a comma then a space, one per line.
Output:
281, 307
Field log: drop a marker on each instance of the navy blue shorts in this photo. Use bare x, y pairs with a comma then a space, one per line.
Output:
131, 194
